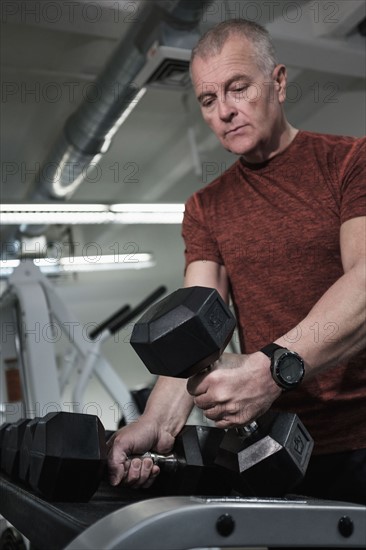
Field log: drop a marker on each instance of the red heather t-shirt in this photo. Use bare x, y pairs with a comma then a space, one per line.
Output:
275, 226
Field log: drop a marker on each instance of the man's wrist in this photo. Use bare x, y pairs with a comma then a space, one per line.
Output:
169, 404
287, 367
265, 363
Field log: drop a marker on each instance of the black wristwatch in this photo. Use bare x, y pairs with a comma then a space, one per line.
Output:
287, 367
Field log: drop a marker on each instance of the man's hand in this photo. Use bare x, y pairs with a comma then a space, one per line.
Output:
236, 390
136, 439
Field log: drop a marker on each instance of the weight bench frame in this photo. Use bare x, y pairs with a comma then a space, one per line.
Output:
110, 521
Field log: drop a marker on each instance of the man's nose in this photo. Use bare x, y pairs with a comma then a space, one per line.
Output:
227, 109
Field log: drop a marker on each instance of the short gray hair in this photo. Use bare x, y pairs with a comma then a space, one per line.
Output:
212, 42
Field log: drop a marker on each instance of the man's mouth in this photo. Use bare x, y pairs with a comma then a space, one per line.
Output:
235, 130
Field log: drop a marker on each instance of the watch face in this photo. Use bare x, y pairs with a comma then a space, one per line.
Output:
289, 370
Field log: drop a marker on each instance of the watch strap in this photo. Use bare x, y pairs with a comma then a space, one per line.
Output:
269, 349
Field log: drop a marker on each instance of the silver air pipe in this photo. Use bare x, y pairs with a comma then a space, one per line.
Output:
88, 132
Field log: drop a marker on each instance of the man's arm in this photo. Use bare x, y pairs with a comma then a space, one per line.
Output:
171, 393
167, 408
335, 328
210, 274
332, 332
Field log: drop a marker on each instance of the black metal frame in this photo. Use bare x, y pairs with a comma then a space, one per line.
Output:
122, 519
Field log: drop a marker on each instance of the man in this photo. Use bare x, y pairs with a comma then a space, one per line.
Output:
283, 232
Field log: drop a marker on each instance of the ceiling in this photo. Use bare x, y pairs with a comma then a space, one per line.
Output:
51, 52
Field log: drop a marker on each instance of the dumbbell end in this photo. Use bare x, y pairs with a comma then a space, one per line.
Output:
183, 333
68, 456
270, 462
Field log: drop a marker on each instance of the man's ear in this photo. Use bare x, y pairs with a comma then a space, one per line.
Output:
280, 81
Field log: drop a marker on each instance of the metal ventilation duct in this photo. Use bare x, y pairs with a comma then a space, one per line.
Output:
169, 28
166, 68
88, 132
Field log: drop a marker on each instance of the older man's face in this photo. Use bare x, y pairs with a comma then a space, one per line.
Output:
240, 104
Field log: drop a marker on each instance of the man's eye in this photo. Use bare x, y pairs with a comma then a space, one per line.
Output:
207, 102
240, 88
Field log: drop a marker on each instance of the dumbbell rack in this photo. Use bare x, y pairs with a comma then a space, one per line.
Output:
32, 301
123, 519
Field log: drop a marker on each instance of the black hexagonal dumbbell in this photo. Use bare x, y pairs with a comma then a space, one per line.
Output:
12, 440
2, 436
68, 456
25, 449
185, 333
269, 460
192, 464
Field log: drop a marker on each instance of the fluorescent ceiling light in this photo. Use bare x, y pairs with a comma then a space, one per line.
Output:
148, 213
153, 207
126, 113
53, 207
50, 218
77, 264
48, 214
62, 188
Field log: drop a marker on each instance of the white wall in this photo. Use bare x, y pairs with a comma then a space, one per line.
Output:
347, 116
94, 297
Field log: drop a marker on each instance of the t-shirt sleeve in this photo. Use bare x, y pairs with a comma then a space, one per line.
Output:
199, 244
353, 182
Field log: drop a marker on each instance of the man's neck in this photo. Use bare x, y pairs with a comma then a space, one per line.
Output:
284, 137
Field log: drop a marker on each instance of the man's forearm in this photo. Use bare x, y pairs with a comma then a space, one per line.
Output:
170, 403
335, 328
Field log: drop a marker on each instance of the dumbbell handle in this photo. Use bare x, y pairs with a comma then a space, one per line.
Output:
170, 463
247, 430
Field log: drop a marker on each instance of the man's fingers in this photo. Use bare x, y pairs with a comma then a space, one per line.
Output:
117, 466
140, 472
196, 384
225, 413
153, 475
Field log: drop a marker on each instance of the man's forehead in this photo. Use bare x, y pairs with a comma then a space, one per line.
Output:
223, 75
235, 57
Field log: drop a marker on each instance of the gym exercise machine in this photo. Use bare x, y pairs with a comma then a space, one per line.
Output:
125, 519
33, 317
118, 518
76, 509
